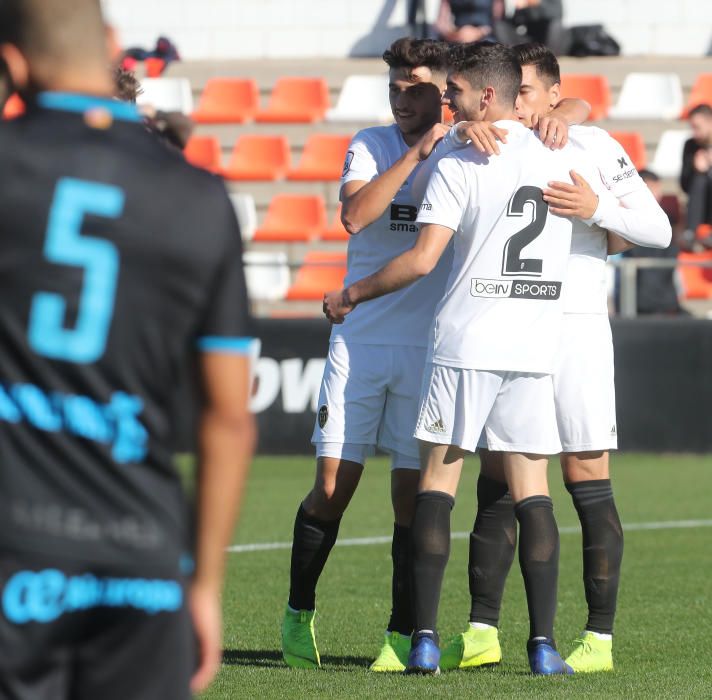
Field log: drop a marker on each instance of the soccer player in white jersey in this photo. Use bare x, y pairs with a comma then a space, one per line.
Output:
583, 389
369, 393
493, 343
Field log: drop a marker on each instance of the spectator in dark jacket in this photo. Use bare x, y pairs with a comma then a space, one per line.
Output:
655, 286
464, 21
532, 20
696, 175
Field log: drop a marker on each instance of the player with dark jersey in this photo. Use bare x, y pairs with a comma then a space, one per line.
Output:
120, 262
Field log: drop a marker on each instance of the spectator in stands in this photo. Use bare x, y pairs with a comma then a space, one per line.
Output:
655, 287
127, 86
173, 127
696, 176
464, 21
532, 20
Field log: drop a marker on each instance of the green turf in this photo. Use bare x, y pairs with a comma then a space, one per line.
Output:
663, 633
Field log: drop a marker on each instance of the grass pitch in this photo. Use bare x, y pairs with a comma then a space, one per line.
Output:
663, 630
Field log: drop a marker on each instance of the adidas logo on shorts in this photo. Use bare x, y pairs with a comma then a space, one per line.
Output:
436, 427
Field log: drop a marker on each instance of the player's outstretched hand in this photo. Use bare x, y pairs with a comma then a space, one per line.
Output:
577, 200
482, 135
336, 305
427, 142
553, 131
207, 622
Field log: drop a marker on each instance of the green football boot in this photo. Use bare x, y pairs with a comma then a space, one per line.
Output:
472, 648
298, 642
591, 654
393, 655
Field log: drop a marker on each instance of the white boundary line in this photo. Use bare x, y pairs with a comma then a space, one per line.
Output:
386, 539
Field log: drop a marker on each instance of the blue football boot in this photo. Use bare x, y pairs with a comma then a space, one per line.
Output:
544, 660
424, 656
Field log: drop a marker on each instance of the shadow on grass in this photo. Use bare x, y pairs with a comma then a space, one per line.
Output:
272, 658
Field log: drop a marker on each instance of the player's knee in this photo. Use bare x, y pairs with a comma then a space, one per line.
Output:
326, 502
585, 466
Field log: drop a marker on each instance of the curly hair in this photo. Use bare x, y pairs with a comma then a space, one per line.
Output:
484, 63
408, 52
126, 85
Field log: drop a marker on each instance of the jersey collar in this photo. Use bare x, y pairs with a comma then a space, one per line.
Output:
76, 102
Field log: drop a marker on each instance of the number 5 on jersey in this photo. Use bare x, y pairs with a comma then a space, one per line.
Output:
64, 245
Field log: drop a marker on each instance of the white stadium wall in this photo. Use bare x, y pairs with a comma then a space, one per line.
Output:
247, 29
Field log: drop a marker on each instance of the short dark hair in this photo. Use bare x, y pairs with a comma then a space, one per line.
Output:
704, 109
649, 175
127, 86
408, 52
542, 58
53, 29
486, 63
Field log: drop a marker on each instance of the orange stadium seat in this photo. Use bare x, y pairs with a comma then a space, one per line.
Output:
447, 115
592, 88
633, 145
258, 157
14, 107
322, 159
204, 151
296, 100
292, 218
320, 272
336, 232
228, 101
154, 67
696, 280
701, 93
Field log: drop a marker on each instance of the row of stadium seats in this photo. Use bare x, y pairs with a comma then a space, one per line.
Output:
268, 275
365, 98
269, 279
290, 218
261, 157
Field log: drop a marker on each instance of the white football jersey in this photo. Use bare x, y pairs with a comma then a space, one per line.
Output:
586, 287
502, 308
404, 317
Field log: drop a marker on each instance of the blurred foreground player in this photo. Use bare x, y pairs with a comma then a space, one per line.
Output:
120, 262
583, 388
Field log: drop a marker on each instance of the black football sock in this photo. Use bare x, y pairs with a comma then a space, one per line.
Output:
313, 540
401, 601
539, 561
602, 550
493, 541
430, 538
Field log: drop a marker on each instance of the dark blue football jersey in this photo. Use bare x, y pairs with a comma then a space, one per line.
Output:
118, 262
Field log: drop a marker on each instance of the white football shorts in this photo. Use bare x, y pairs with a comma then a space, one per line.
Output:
369, 398
584, 387
514, 411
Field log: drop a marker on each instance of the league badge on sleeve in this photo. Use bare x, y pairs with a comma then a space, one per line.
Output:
323, 415
347, 162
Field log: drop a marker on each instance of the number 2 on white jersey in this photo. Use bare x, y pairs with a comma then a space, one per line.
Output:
513, 265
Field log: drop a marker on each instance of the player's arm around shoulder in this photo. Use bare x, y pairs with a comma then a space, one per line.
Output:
365, 192
627, 207
440, 216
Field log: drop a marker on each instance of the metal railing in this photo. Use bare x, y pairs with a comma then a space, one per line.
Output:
629, 267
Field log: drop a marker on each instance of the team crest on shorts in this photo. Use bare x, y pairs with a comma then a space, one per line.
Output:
323, 415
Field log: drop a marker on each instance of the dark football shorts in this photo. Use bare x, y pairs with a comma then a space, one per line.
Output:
79, 633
